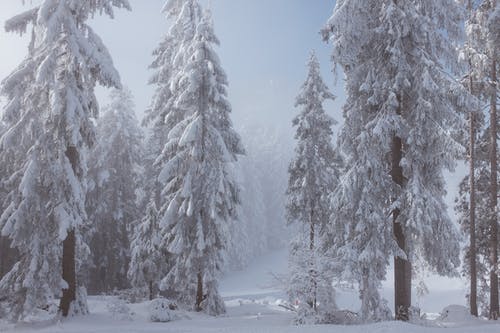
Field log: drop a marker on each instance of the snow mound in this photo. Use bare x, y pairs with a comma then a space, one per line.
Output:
454, 314
162, 310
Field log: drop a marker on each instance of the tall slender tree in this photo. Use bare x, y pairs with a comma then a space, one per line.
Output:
7, 253
313, 174
494, 56
147, 261
482, 43
400, 117
196, 173
162, 114
51, 103
115, 172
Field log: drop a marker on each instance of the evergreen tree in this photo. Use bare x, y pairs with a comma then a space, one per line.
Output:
51, 103
474, 205
147, 259
400, 118
7, 254
313, 174
201, 193
169, 59
115, 167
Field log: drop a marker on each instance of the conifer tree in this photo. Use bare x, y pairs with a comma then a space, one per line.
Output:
401, 115
162, 113
313, 174
51, 103
115, 167
480, 223
147, 261
200, 189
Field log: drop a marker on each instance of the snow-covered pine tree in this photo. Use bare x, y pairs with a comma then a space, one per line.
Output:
483, 35
147, 261
400, 115
114, 172
162, 114
313, 175
7, 254
51, 103
201, 193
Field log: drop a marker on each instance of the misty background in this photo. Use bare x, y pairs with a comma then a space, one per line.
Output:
265, 45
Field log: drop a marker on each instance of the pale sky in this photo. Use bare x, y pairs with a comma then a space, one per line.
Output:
264, 47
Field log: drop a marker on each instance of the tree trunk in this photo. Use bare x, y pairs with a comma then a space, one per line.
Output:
472, 221
151, 291
493, 193
199, 293
472, 198
402, 267
312, 270
69, 273
69, 248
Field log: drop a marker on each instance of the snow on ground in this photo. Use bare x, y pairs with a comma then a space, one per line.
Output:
253, 297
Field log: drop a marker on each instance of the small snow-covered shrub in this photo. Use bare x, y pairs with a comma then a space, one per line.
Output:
162, 310
455, 313
119, 309
339, 317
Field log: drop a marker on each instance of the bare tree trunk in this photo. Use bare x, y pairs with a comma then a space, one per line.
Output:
69, 273
151, 291
472, 221
69, 248
312, 271
199, 293
472, 198
402, 267
494, 193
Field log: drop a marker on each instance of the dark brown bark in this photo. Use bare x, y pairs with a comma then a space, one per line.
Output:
402, 267
199, 293
472, 221
494, 306
312, 270
472, 198
7, 256
151, 291
69, 248
69, 273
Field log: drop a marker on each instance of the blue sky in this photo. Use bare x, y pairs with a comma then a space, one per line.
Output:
264, 47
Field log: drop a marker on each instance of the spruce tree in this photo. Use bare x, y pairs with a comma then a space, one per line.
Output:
115, 167
483, 30
162, 113
201, 192
401, 115
51, 106
147, 261
313, 174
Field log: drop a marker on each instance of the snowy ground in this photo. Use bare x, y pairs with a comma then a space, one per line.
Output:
252, 298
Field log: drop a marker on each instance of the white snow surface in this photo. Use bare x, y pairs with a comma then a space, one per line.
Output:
252, 299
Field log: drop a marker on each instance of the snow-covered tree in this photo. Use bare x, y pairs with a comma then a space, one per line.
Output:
313, 175
114, 172
7, 254
476, 203
168, 60
196, 170
400, 118
50, 110
147, 261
